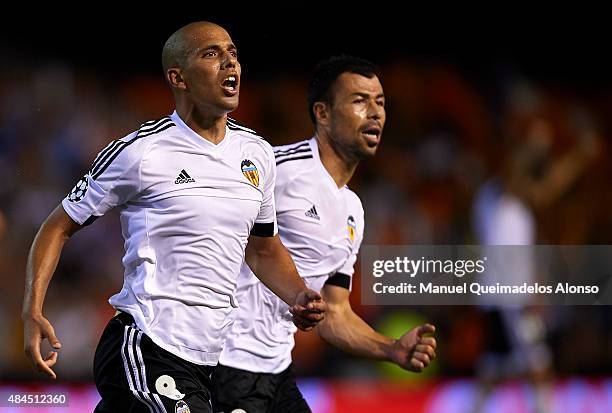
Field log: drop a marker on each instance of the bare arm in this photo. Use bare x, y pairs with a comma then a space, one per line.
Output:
543, 192
345, 330
271, 263
42, 262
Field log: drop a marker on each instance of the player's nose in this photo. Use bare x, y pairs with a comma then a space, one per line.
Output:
230, 60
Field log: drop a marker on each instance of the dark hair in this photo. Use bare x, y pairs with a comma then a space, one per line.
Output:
327, 71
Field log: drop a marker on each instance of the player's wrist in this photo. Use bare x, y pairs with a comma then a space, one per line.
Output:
31, 315
391, 350
294, 299
301, 296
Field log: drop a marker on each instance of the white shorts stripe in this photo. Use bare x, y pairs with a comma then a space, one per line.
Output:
127, 339
156, 400
159, 402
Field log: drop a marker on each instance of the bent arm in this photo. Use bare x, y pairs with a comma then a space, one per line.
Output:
271, 263
42, 261
43, 258
345, 330
543, 192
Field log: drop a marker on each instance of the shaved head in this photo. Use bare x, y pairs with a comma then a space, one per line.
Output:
183, 42
201, 68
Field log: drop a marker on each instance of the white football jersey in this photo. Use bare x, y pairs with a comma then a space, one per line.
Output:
187, 207
322, 227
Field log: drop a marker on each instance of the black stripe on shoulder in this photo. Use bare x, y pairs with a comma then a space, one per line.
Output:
109, 157
116, 145
237, 124
155, 125
151, 122
103, 151
340, 280
242, 129
104, 154
234, 127
293, 159
294, 151
153, 132
263, 230
279, 151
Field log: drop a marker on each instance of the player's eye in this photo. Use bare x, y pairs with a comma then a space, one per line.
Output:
210, 53
359, 101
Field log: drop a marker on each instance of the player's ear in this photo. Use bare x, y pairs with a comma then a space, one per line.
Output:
175, 78
321, 112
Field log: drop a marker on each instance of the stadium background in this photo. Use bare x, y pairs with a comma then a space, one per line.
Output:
460, 92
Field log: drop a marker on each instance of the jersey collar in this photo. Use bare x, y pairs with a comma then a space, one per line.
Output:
200, 140
329, 180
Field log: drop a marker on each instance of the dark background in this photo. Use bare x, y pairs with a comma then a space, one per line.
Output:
568, 46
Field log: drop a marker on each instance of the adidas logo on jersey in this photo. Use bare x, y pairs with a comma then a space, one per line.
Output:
312, 213
184, 178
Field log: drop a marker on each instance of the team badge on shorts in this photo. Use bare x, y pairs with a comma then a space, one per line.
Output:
78, 192
181, 407
352, 227
249, 170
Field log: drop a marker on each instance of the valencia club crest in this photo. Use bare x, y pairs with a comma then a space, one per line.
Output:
249, 170
352, 227
181, 407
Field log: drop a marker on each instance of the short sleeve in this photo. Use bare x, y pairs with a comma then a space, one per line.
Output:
113, 179
344, 276
265, 223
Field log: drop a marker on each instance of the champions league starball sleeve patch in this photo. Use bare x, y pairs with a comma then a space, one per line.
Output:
78, 192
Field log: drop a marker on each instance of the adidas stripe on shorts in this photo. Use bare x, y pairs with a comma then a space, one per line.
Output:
133, 374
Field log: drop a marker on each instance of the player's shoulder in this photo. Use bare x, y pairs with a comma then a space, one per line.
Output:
152, 128
353, 200
243, 132
294, 155
147, 133
131, 147
242, 129
249, 136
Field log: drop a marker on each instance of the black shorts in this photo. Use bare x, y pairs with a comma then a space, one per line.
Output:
256, 392
133, 374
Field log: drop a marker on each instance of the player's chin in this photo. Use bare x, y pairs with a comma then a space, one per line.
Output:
229, 103
368, 152
233, 106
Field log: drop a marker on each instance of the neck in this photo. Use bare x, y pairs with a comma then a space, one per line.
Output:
209, 127
339, 168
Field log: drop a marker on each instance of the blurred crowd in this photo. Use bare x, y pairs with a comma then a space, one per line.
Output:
448, 134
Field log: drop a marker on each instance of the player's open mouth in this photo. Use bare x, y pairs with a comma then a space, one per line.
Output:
230, 85
372, 134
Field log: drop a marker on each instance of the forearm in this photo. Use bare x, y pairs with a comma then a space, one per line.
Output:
561, 175
275, 268
43, 258
345, 330
544, 191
